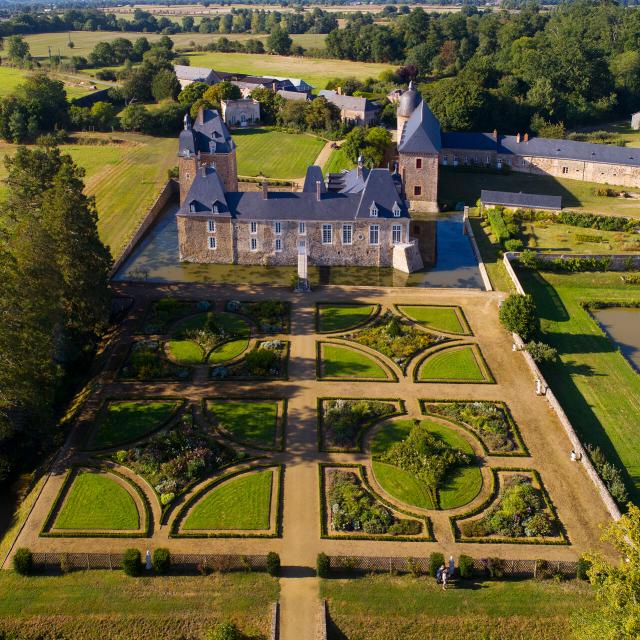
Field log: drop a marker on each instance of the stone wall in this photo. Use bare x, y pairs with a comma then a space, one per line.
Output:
424, 177
193, 240
406, 257
225, 164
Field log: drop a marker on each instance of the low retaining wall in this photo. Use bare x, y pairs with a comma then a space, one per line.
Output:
275, 621
609, 502
168, 191
322, 632
476, 251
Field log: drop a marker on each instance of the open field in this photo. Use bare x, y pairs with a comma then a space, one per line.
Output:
383, 607
257, 155
457, 185
125, 178
316, 71
98, 604
10, 78
597, 387
627, 136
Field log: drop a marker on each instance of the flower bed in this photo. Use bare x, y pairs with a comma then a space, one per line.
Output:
396, 338
266, 361
146, 361
343, 421
162, 313
490, 421
270, 316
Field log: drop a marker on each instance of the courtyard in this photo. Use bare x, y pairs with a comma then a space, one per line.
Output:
285, 406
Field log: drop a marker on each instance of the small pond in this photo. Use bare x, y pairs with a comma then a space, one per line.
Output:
155, 259
623, 326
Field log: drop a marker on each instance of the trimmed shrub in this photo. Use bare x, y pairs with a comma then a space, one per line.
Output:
23, 562
224, 631
465, 566
541, 352
323, 566
518, 315
528, 259
514, 244
582, 570
436, 560
161, 561
132, 562
498, 226
273, 564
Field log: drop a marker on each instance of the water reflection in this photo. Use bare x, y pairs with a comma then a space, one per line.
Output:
623, 326
155, 260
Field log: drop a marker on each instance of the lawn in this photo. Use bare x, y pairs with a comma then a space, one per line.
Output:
10, 78
253, 422
342, 317
316, 71
460, 486
459, 185
275, 154
452, 364
596, 386
491, 256
383, 607
95, 605
129, 421
347, 363
336, 162
185, 352
97, 501
228, 351
242, 503
444, 319
125, 178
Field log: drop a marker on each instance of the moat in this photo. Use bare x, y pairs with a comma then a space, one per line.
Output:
155, 260
622, 324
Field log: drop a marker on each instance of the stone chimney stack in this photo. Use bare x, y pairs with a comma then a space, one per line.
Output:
339, 90
518, 137
360, 166
318, 190
495, 134
203, 170
526, 137
265, 190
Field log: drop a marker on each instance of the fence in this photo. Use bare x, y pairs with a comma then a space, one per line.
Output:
482, 566
578, 448
180, 562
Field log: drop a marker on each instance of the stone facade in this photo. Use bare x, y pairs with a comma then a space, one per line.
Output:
225, 164
241, 112
420, 179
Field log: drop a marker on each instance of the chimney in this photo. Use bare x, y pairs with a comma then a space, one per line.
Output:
339, 90
274, 86
495, 134
318, 190
203, 170
526, 137
395, 167
518, 138
265, 190
360, 166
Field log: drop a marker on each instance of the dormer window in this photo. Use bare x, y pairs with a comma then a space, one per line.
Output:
373, 210
192, 207
396, 210
215, 208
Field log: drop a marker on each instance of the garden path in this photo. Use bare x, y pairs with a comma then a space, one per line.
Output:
579, 506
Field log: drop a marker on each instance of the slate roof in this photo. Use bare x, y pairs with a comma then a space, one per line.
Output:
298, 83
544, 148
524, 200
313, 175
354, 103
348, 181
208, 134
293, 95
301, 205
202, 74
421, 132
248, 82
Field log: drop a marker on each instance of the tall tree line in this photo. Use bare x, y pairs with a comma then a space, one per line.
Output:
54, 298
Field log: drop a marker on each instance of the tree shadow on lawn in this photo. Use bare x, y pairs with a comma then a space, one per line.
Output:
548, 303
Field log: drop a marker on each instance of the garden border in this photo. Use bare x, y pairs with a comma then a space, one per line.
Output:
375, 312
324, 516
524, 450
390, 372
47, 528
147, 312
364, 428
285, 372
287, 323
489, 378
174, 531
456, 307
161, 354
457, 534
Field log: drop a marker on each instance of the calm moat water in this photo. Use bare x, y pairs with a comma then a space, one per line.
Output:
623, 326
155, 259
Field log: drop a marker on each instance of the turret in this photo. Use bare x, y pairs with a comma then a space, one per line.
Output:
409, 100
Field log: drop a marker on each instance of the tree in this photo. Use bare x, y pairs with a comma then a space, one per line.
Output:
321, 115
135, 117
616, 586
165, 85
518, 315
214, 95
279, 41
292, 114
370, 143
103, 115
270, 104
191, 93
17, 49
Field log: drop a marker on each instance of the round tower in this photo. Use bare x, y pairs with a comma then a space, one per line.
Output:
409, 100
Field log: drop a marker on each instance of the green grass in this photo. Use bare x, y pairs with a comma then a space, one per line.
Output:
253, 422
336, 162
129, 421
347, 363
316, 71
342, 317
383, 607
596, 386
230, 322
460, 486
456, 363
491, 256
125, 179
275, 154
228, 351
95, 605
97, 501
242, 503
185, 352
457, 185
10, 78
439, 318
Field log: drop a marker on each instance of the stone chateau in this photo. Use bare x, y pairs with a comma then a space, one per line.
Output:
356, 218
423, 147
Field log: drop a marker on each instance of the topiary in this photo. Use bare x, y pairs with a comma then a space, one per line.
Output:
132, 562
465, 566
436, 560
161, 561
273, 563
323, 565
513, 244
518, 315
23, 562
